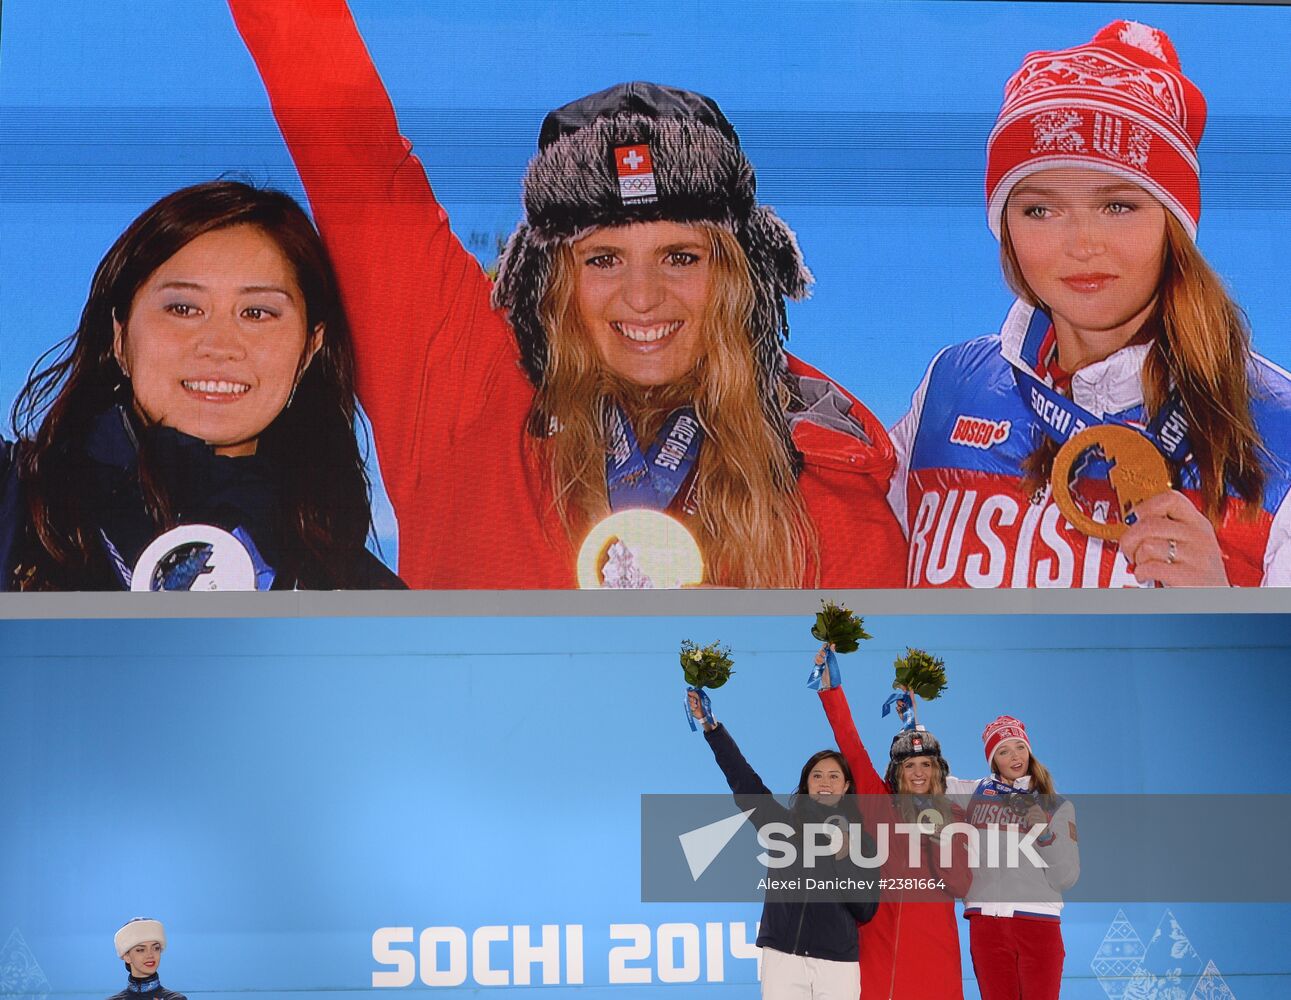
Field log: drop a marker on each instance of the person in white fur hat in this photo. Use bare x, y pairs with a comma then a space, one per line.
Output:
139, 943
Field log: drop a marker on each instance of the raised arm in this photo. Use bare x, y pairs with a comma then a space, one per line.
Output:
750, 791
867, 780
428, 343
957, 875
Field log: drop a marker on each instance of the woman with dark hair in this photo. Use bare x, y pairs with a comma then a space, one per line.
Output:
197, 431
911, 949
140, 944
809, 948
628, 363
1094, 192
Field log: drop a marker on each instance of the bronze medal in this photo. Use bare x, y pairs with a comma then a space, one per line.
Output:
1138, 472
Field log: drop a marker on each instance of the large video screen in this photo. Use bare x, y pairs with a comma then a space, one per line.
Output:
837, 294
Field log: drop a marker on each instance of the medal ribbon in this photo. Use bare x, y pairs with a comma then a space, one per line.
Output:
652, 479
1004, 789
146, 986
264, 572
1062, 418
830, 664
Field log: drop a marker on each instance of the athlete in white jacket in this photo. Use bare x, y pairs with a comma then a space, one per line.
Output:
1013, 912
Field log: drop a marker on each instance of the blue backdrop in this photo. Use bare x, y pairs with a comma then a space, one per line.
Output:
866, 121
278, 792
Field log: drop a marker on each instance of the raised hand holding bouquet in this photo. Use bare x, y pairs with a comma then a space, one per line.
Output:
704, 667
917, 673
839, 631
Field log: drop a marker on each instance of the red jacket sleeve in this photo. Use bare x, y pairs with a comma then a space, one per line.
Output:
869, 783
867, 780
428, 343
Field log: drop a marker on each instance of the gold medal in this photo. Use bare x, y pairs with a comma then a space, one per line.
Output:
639, 550
1138, 472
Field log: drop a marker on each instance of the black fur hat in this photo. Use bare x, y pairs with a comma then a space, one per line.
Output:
917, 742
641, 152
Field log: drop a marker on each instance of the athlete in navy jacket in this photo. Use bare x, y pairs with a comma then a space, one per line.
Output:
810, 949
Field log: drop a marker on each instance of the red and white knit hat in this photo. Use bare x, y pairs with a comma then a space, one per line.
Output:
1119, 103
1003, 728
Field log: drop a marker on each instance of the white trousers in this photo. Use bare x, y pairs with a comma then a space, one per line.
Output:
793, 977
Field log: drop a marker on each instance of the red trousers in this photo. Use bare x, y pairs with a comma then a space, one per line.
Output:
1015, 958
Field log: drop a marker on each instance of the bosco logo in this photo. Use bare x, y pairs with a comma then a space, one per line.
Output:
978, 432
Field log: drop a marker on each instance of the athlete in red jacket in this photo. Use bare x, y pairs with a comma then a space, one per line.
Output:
465, 398
910, 950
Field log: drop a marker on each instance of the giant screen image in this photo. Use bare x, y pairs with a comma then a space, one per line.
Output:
788, 313
644, 295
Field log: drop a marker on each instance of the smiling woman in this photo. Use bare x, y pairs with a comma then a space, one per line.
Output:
197, 431
911, 947
642, 294
140, 944
809, 946
215, 351
630, 356
1014, 914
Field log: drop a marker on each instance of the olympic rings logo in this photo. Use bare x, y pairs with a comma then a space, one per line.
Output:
637, 183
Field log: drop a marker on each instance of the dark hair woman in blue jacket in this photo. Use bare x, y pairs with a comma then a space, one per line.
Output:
809, 949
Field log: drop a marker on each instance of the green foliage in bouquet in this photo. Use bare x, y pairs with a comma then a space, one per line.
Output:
835, 624
706, 666
920, 673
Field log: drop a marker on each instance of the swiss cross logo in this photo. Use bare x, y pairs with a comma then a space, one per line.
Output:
635, 169
916, 744
634, 160
978, 432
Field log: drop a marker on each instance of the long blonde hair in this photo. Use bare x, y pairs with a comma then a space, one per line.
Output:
1200, 344
752, 525
1041, 779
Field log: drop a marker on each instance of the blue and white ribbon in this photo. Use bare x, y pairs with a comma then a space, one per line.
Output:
1003, 788
903, 702
264, 572
704, 703
818, 671
654, 478
1062, 418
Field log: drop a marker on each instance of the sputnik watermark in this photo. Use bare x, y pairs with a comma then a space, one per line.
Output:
827, 840
836, 837
1000, 847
